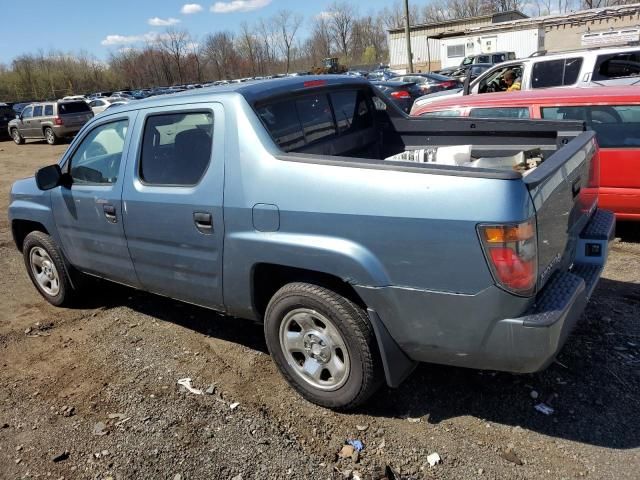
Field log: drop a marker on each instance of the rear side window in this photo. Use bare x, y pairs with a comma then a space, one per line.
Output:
351, 110
298, 122
500, 112
443, 113
73, 107
615, 126
37, 111
281, 119
48, 110
556, 73
617, 66
315, 115
176, 148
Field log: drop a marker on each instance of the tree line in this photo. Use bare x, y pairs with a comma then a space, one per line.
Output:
268, 46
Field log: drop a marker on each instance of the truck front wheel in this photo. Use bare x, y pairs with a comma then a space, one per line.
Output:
323, 345
47, 269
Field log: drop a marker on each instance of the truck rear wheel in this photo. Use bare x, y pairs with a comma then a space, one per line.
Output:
323, 345
47, 269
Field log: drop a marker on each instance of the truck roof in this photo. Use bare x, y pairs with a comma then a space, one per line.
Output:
253, 91
629, 93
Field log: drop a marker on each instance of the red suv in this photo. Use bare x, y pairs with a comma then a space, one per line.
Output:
612, 112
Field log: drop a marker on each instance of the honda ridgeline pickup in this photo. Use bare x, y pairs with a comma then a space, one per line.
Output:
364, 240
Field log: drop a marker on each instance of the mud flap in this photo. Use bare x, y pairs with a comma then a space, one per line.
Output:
397, 366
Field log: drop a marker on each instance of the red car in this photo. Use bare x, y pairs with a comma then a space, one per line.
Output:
612, 112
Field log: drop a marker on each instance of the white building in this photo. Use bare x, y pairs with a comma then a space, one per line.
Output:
522, 42
449, 42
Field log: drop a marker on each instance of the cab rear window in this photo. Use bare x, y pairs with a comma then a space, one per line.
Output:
73, 107
301, 121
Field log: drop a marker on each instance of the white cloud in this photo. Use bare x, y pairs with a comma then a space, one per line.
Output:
190, 8
192, 46
324, 15
161, 22
151, 37
239, 6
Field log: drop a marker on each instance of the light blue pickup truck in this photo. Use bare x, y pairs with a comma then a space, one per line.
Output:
365, 240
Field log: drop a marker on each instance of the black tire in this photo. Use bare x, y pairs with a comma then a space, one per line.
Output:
38, 240
17, 138
365, 370
50, 136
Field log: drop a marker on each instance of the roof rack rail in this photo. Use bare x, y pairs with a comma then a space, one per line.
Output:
539, 53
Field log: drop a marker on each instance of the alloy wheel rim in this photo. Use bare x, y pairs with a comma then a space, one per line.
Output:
315, 349
44, 271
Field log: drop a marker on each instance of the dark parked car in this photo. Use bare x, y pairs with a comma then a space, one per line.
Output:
476, 70
402, 93
381, 75
6, 115
430, 82
18, 107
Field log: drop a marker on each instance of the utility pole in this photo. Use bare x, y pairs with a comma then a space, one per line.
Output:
407, 34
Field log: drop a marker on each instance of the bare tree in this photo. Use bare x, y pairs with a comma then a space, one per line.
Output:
175, 43
219, 49
249, 46
287, 24
341, 19
393, 16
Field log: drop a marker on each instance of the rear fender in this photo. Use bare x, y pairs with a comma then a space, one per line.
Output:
349, 261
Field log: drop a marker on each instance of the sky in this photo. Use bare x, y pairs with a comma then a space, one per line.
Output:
99, 27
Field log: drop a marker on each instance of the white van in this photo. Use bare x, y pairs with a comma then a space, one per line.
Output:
579, 68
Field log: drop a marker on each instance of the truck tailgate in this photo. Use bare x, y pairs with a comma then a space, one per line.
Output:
564, 197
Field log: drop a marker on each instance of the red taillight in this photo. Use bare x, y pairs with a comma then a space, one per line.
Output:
511, 251
314, 83
401, 94
58, 121
449, 84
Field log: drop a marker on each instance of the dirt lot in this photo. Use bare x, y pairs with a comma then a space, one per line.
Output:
96, 388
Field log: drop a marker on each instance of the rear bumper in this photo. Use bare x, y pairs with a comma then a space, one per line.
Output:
531, 342
488, 330
66, 131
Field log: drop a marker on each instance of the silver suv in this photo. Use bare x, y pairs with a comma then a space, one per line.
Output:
51, 121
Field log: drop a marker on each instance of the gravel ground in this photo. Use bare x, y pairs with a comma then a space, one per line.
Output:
92, 392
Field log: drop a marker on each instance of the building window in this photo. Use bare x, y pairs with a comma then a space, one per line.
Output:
455, 50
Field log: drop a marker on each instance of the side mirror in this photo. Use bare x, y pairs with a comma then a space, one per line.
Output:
49, 177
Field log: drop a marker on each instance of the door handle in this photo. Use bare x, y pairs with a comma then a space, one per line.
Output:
110, 212
203, 221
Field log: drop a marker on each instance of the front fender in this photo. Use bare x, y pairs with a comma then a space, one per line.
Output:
28, 203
